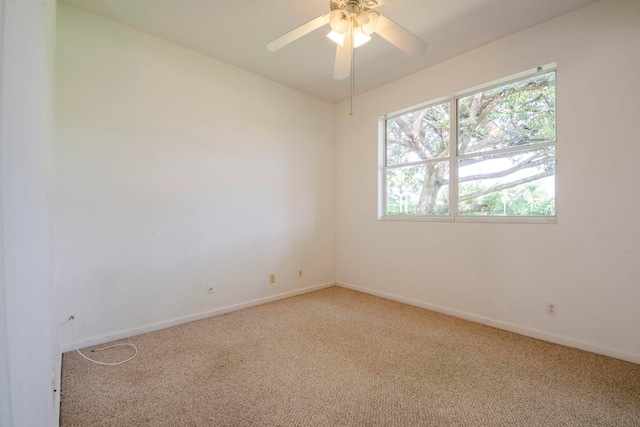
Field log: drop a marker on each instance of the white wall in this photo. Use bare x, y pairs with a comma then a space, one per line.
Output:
504, 274
29, 352
175, 171
5, 386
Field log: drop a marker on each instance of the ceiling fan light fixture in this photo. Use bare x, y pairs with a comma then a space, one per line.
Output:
358, 38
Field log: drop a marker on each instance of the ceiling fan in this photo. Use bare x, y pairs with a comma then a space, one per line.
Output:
352, 23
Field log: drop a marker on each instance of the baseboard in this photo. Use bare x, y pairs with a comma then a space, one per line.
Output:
186, 319
511, 327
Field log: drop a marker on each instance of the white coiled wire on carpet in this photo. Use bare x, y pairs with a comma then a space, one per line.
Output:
70, 322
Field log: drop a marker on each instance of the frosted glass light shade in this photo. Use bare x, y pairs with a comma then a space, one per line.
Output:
339, 21
358, 38
368, 22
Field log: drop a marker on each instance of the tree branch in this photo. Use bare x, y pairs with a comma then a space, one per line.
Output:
517, 141
483, 103
411, 131
481, 158
507, 185
526, 164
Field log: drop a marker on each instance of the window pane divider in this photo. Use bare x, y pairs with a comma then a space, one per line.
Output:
453, 166
421, 162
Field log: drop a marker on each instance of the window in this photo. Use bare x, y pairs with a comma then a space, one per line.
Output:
488, 154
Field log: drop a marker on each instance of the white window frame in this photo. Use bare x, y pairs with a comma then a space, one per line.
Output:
454, 157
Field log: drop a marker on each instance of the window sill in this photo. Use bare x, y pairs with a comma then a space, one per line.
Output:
467, 219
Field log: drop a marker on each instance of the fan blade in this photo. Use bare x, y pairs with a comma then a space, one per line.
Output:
295, 34
342, 68
400, 37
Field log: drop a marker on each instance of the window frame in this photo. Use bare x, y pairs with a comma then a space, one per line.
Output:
454, 156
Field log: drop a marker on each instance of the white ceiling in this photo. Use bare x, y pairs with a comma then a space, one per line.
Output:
237, 32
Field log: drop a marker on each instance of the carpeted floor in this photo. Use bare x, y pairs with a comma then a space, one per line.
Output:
336, 357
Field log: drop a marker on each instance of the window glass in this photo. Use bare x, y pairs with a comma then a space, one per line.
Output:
504, 164
418, 136
513, 183
418, 189
513, 115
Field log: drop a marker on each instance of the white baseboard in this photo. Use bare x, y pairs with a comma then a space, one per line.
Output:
186, 319
511, 327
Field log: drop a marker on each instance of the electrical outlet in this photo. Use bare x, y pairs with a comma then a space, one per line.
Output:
210, 289
552, 310
53, 387
272, 278
300, 274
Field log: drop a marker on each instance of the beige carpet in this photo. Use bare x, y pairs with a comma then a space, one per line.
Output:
342, 358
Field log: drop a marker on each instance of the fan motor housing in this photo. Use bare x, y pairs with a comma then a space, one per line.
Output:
353, 5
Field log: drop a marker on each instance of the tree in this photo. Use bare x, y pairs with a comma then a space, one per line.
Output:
517, 115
